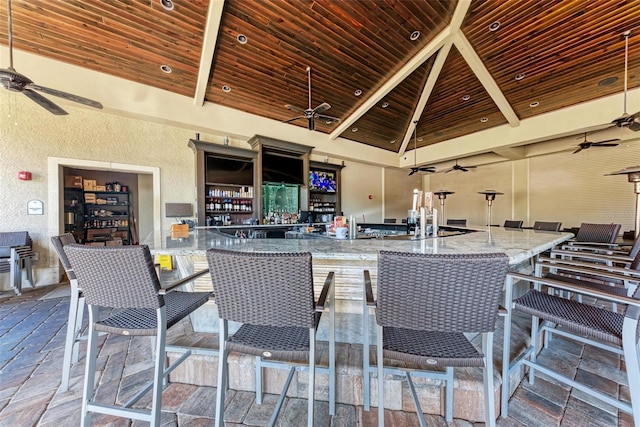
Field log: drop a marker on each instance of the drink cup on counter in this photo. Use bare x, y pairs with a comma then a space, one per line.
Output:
341, 232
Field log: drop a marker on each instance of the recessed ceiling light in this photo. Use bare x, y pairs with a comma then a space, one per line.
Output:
466, 97
414, 36
385, 105
393, 141
357, 92
242, 39
167, 4
354, 129
519, 76
608, 81
419, 139
484, 120
494, 26
226, 88
534, 104
165, 69
328, 121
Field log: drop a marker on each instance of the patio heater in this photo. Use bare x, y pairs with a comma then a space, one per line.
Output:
633, 175
442, 195
490, 195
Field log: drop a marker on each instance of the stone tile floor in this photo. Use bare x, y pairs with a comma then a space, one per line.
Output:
33, 328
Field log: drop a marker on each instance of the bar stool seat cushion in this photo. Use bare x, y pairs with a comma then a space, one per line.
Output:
143, 321
581, 318
282, 343
430, 348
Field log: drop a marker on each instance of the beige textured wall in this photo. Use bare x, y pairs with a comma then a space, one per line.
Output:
566, 187
359, 181
398, 192
32, 135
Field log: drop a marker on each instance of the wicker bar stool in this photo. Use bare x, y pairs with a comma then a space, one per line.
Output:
590, 324
125, 278
271, 294
425, 304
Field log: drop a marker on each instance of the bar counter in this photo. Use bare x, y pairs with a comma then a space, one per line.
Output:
349, 258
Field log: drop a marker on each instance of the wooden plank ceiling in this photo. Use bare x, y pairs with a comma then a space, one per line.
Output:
364, 61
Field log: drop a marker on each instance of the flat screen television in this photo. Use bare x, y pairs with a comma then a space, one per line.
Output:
226, 170
322, 181
282, 169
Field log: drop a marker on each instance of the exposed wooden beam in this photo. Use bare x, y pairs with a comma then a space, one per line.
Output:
426, 93
490, 85
214, 17
393, 81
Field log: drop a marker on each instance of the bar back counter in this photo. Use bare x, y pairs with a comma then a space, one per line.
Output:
348, 259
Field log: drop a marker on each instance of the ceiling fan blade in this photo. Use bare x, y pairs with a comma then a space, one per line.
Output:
312, 124
292, 119
463, 169
471, 167
607, 140
413, 170
579, 149
327, 118
603, 144
44, 102
450, 170
430, 169
65, 95
322, 107
294, 108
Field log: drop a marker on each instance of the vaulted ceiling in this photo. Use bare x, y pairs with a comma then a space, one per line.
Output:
454, 68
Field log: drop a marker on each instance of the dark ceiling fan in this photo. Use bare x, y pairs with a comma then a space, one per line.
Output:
632, 121
458, 167
416, 168
16, 82
311, 114
587, 144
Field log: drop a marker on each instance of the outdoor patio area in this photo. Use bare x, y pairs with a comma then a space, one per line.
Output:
32, 333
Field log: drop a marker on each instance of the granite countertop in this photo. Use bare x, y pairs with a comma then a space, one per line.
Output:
518, 244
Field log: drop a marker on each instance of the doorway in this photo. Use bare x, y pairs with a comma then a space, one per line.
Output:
148, 206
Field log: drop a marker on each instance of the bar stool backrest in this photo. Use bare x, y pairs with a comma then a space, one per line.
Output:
256, 288
452, 293
599, 233
547, 226
116, 276
59, 242
512, 223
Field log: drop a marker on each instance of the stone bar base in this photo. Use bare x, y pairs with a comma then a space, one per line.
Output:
468, 390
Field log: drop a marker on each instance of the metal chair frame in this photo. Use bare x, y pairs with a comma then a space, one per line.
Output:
76, 310
581, 328
255, 276
495, 270
125, 278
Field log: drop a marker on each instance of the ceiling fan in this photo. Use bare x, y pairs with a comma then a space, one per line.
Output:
16, 82
458, 167
311, 114
587, 144
632, 121
416, 168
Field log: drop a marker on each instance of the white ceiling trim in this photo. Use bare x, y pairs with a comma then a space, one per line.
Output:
210, 38
490, 85
426, 93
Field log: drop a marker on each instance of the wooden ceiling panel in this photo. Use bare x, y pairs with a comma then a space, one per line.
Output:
382, 125
128, 40
564, 48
